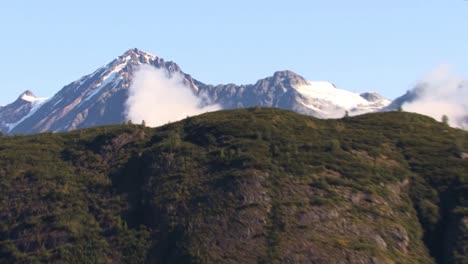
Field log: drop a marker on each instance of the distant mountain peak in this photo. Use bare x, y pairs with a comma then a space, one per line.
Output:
137, 56
286, 74
290, 77
117, 70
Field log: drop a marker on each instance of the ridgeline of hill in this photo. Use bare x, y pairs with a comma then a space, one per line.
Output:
239, 186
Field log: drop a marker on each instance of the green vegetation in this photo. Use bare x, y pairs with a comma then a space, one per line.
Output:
239, 186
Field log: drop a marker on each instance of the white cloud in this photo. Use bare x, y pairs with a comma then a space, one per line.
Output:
443, 93
158, 99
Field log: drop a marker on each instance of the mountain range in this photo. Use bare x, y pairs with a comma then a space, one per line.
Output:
99, 98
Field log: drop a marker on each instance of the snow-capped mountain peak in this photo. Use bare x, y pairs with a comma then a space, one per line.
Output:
115, 74
13, 114
130, 58
138, 56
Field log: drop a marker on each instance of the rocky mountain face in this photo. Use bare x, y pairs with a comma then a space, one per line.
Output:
276, 91
99, 98
258, 185
287, 90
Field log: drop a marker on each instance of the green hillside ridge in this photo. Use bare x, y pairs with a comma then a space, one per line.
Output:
239, 186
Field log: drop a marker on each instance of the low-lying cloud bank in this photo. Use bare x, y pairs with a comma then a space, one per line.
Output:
442, 92
157, 99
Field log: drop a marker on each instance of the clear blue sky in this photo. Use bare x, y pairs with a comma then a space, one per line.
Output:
360, 45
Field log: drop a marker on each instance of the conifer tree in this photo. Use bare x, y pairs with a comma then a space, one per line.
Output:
445, 119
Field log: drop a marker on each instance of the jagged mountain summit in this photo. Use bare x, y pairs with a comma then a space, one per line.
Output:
99, 98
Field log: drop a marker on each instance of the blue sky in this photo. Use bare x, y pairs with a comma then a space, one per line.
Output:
360, 45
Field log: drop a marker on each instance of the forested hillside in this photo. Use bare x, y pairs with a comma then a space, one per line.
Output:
239, 186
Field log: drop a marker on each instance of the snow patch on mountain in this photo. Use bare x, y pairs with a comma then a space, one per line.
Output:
104, 83
331, 102
328, 92
29, 97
